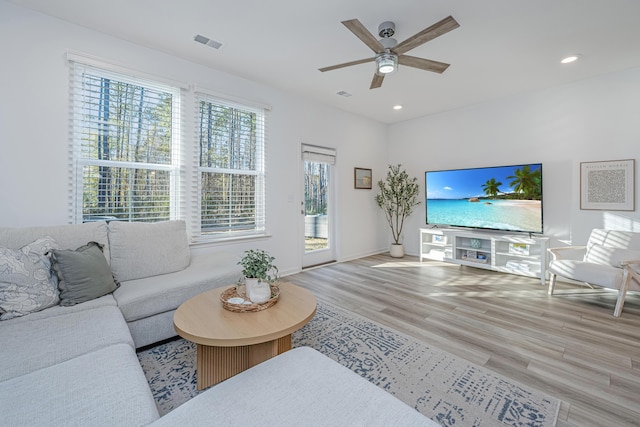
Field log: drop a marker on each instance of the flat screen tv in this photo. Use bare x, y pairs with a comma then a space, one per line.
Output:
506, 198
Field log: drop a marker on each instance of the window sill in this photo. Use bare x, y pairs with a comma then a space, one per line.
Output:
208, 241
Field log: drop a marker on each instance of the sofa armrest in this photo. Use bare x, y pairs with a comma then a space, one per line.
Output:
568, 252
632, 267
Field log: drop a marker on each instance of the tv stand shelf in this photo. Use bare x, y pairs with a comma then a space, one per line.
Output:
507, 253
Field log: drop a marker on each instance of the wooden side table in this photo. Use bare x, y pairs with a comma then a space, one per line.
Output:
229, 342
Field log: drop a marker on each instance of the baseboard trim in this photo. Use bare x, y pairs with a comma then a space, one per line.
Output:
322, 264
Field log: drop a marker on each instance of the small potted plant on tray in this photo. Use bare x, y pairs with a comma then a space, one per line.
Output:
259, 272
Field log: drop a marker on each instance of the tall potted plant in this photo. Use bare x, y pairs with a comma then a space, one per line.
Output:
398, 195
259, 271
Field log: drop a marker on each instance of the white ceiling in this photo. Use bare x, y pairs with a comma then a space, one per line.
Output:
502, 47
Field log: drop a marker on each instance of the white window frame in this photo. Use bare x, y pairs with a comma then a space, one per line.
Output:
79, 63
259, 229
185, 171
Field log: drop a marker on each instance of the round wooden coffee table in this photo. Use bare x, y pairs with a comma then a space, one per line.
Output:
229, 342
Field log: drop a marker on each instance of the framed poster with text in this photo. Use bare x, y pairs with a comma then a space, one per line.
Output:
607, 185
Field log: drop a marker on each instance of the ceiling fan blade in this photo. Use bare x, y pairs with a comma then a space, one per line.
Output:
377, 81
363, 34
347, 64
436, 30
423, 64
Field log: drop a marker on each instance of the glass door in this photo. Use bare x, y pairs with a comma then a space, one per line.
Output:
316, 211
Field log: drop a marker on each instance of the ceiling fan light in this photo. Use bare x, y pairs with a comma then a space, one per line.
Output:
386, 63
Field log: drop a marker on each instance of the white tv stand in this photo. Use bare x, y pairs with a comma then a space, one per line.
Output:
507, 253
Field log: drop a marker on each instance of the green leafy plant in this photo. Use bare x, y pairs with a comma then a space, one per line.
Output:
258, 264
398, 195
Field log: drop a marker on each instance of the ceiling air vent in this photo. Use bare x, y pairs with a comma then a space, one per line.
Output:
209, 42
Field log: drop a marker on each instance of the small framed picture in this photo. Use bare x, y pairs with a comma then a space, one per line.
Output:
362, 178
607, 185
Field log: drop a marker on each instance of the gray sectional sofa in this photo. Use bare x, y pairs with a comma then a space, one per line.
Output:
77, 364
156, 269
67, 364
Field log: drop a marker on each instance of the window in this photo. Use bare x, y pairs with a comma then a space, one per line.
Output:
131, 162
125, 147
230, 167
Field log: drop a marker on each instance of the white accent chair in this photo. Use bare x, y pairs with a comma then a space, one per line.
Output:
610, 259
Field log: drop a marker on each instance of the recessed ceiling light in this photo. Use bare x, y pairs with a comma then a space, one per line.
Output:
343, 93
397, 107
569, 59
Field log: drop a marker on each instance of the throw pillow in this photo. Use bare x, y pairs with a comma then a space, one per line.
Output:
83, 274
26, 282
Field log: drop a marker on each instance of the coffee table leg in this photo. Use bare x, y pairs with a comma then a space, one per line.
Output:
284, 344
258, 353
216, 364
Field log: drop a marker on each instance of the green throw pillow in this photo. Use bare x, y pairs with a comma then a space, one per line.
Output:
83, 274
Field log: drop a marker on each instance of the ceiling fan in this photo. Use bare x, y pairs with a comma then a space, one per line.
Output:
390, 53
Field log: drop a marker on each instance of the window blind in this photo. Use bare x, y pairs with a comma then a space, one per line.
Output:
132, 159
230, 163
125, 144
314, 153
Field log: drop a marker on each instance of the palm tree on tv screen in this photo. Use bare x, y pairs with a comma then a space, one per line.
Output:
491, 187
527, 182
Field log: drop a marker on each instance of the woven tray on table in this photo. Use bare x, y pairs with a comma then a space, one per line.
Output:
247, 308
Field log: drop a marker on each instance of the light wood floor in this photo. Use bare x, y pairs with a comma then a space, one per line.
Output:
568, 345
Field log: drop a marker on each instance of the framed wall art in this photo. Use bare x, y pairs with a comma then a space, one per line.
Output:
608, 185
362, 178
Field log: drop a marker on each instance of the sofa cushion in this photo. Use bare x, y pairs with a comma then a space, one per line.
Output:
152, 329
301, 387
147, 249
601, 274
59, 310
103, 388
615, 239
26, 282
607, 255
83, 274
149, 296
66, 236
27, 346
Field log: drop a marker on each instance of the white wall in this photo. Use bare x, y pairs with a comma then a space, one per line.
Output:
34, 180
586, 121
591, 120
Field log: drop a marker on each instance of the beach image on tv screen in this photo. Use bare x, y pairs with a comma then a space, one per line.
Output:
499, 198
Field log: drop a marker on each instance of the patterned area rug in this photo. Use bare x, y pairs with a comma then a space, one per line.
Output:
443, 387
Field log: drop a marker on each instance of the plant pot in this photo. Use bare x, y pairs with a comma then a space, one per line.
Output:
396, 250
257, 291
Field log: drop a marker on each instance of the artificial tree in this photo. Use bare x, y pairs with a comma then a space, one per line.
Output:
398, 195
